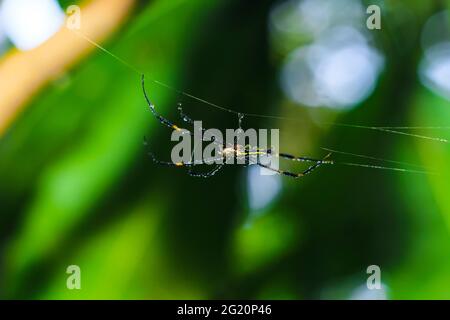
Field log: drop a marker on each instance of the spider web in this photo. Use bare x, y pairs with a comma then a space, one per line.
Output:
395, 130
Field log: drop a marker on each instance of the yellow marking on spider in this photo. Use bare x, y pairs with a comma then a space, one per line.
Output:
176, 128
179, 164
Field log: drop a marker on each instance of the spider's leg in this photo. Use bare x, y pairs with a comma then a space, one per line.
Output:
240, 118
169, 163
189, 120
301, 174
184, 116
165, 163
209, 173
286, 173
206, 174
160, 118
189, 164
306, 159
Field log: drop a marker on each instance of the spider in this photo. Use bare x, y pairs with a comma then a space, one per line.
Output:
236, 151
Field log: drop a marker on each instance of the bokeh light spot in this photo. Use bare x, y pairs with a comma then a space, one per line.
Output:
339, 71
262, 189
29, 23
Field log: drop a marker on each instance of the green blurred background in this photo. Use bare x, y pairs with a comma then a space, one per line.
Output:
77, 187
